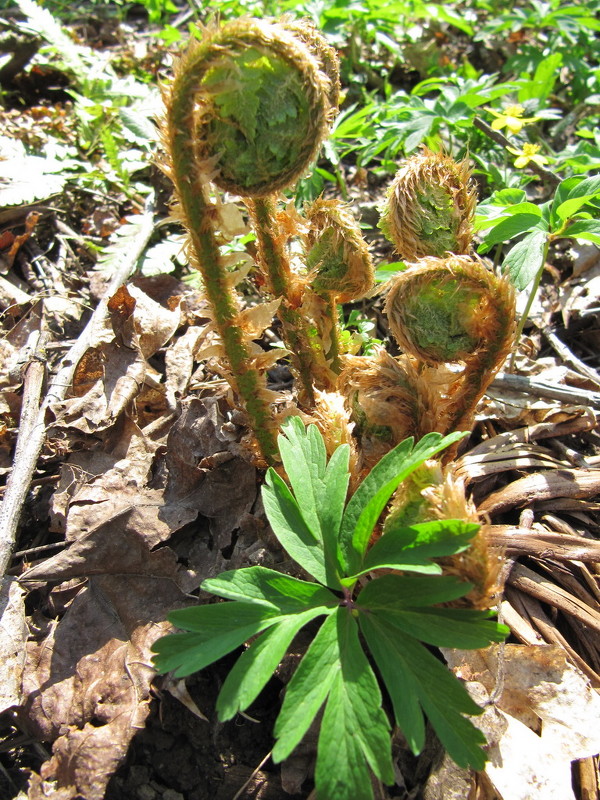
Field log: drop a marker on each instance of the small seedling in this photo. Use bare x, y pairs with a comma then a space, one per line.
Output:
392, 616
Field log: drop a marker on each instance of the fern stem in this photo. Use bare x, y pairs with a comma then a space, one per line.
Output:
276, 266
199, 215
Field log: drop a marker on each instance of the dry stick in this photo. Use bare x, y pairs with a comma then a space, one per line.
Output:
29, 443
32, 432
538, 388
570, 358
497, 137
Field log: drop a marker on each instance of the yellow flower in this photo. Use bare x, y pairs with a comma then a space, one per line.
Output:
529, 152
511, 118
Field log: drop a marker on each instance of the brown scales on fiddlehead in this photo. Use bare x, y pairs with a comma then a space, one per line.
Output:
430, 207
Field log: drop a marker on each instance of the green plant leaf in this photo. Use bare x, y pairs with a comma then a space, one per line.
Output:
509, 227
412, 547
302, 451
282, 593
410, 671
215, 631
319, 487
290, 528
308, 689
572, 194
389, 593
404, 601
354, 730
331, 510
255, 666
588, 229
369, 500
526, 259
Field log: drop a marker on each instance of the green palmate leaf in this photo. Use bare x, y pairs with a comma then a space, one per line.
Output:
255, 666
448, 627
215, 631
355, 730
290, 528
304, 457
392, 592
369, 500
414, 678
319, 487
526, 258
412, 547
308, 689
282, 593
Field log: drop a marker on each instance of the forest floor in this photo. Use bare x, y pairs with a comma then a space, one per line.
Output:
134, 485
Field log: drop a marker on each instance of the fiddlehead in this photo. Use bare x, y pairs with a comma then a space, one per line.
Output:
388, 401
317, 73
246, 110
454, 310
430, 207
340, 268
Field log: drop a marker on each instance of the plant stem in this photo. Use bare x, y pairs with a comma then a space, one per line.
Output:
199, 215
334, 351
276, 265
532, 293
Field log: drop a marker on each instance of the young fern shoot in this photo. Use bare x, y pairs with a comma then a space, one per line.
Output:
247, 110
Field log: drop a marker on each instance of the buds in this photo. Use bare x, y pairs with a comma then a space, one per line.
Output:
430, 207
337, 257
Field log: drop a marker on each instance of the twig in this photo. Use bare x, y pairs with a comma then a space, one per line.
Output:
255, 772
568, 394
570, 358
502, 140
29, 443
545, 591
64, 376
519, 541
32, 431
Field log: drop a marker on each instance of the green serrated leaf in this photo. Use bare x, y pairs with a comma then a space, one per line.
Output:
283, 593
215, 631
526, 259
319, 487
448, 627
572, 194
255, 666
588, 229
290, 528
371, 497
356, 699
509, 227
308, 689
443, 698
389, 593
411, 548
402, 686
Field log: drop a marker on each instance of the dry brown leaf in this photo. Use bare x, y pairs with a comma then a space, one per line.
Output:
87, 685
114, 369
129, 489
546, 717
179, 364
115, 377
